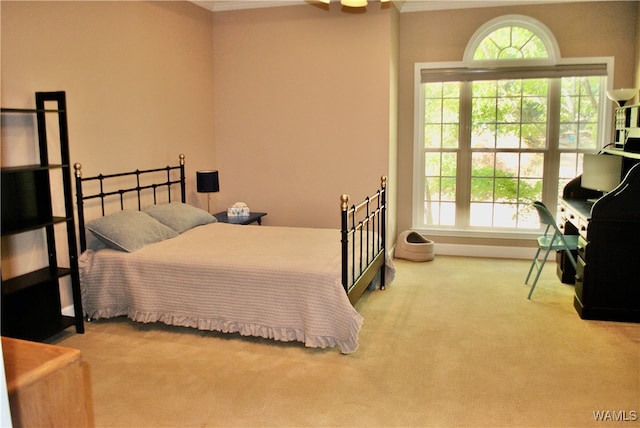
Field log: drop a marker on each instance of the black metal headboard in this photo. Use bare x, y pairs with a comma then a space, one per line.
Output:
120, 193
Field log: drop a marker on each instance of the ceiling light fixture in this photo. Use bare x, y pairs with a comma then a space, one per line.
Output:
352, 3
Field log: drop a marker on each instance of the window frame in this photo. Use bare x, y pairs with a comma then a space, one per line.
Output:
552, 154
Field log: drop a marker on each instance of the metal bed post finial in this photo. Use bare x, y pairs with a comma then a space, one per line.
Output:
181, 156
383, 181
344, 202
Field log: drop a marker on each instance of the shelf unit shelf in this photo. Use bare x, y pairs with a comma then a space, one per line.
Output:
29, 110
31, 302
26, 168
46, 274
29, 225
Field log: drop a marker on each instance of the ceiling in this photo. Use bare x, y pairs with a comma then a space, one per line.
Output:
402, 5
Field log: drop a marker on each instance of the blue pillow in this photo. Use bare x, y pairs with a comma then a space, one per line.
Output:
129, 230
180, 217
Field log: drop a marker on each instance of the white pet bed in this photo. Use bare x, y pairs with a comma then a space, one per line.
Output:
415, 247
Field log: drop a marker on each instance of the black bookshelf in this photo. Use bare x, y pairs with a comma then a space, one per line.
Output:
31, 303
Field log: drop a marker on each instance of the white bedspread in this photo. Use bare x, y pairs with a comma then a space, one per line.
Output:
273, 282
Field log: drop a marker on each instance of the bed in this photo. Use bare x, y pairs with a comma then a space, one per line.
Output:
151, 257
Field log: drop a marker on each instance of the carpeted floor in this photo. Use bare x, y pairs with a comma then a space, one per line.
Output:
452, 342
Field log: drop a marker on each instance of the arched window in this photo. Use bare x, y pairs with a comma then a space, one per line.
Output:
510, 43
512, 38
502, 128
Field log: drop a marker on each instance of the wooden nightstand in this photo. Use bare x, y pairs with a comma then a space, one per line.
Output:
251, 218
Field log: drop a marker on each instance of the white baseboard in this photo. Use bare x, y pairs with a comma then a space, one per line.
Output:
492, 251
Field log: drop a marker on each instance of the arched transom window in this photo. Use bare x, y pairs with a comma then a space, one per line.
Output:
513, 38
511, 42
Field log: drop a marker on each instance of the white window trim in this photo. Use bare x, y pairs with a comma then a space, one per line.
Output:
418, 158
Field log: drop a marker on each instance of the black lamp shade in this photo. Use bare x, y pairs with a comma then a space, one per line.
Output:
207, 181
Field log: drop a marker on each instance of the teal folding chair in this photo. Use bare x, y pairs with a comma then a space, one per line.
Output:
557, 242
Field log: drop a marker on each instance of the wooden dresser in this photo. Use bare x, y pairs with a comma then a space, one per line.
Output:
47, 385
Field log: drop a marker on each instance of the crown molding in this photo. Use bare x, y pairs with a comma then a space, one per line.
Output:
404, 6
223, 5
430, 5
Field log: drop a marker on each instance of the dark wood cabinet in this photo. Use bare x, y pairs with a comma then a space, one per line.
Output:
606, 281
37, 198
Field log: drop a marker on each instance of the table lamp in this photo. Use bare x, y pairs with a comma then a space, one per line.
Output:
207, 182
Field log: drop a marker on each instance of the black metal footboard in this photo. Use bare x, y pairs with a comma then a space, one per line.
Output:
363, 233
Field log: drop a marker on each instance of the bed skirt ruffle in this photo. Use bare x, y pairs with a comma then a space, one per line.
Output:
346, 346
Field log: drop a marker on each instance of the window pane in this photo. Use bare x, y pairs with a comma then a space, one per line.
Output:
441, 115
432, 136
481, 215
432, 90
568, 136
527, 217
433, 111
505, 215
534, 136
579, 105
450, 138
439, 213
448, 189
506, 145
440, 188
529, 190
432, 164
507, 164
509, 114
508, 136
506, 190
451, 90
508, 110
482, 189
587, 136
534, 109
448, 213
531, 165
570, 167
511, 179
450, 110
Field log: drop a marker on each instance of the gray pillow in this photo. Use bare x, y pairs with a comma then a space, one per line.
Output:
180, 217
129, 230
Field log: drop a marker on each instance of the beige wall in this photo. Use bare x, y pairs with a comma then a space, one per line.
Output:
291, 104
302, 108
581, 29
138, 83
137, 77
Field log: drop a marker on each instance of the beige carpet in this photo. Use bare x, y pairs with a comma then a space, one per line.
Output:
452, 342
